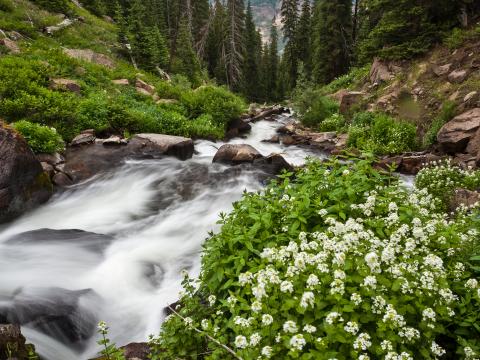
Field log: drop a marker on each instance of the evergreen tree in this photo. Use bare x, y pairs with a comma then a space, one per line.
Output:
396, 29
234, 48
185, 60
200, 21
253, 47
332, 39
304, 40
271, 82
289, 12
216, 43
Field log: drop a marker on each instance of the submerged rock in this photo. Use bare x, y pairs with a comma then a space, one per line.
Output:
23, 183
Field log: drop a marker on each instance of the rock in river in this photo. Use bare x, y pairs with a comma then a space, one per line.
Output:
236, 154
23, 183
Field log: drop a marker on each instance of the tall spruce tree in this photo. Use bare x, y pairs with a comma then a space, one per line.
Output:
304, 38
252, 55
332, 39
289, 13
235, 44
185, 60
216, 42
271, 82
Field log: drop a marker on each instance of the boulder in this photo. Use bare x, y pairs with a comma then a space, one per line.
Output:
10, 45
324, 140
52, 159
413, 163
62, 180
62, 314
380, 72
236, 154
133, 351
349, 98
113, 141
159, 144
90, 56
23, 183
457, 76
12, 340
84, 138
473, 147
275, 139
464, 197
288, 140
273, 164
471, 97
264, 113
65, 85
287, 129
455, 135
442, 69
241, 125
123, 82
48, 169
144, 88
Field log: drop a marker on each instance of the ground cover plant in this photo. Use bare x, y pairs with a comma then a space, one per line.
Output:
338, 262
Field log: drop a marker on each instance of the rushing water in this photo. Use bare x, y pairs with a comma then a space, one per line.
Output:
140, 226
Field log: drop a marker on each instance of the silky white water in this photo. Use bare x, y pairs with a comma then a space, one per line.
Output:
157, 214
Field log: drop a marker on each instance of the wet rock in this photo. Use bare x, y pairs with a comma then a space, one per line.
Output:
288, 140
123, 82
267, 112
48, 169
113, 141
132, 351
23, 183
412, 164
239, 126
10, 45
455, 135
52, 159
457, 76
65, 85
84, 138
236, 154
62, 180
287, 129
12, 340
324, 140
273, 164
144, 88
90, 56
275, 139
464, 197
160, 144
62, 314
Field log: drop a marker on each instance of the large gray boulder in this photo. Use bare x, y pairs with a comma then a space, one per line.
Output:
454, 136
236, 154
23, 183
177, 146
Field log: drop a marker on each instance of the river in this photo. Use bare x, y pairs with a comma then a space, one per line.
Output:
113, 248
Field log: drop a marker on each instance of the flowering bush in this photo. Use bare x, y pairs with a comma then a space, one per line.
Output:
339, 263
442, 178
42, 139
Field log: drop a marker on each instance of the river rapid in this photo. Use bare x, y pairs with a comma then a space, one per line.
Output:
113, 248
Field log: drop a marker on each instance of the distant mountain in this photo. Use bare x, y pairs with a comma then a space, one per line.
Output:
264, 11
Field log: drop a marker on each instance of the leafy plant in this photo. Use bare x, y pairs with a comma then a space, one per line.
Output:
321, 108
110, 351
339, 262
335, 122
42, 139
446, 114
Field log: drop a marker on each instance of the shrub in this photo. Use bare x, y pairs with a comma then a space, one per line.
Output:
355, 76
459, 36
59, 6
380, 134
41, 139
335, 122
446, 114
322, 107
443, 178
339, 262
6, 5
222, 105
204, 127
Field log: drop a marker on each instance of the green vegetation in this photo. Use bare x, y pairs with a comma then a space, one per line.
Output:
441, 180
379, 133
338, 261
458, 37
41, 139
447, 113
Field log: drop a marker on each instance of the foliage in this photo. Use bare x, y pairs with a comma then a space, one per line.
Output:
446, 114
222, 105
338, 262
441, 179
110, 351
41, 139
204, 127
354, 76
378, 133
58, 6
459, 36
6, 5
320, 108
335, 122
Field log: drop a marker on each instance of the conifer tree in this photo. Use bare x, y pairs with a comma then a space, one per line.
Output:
234, 48
289, 12
185, 60
272, 66
216, 42
251, 58
332, 39
304, 40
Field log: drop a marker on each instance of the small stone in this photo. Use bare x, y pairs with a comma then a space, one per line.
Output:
123, 82
457, 76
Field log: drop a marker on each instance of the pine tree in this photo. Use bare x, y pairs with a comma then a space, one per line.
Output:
396, 29
200, 21
271, 82
290, 20
216, 43
185, 60
304, 40
251, 72
234, 48
332, 39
